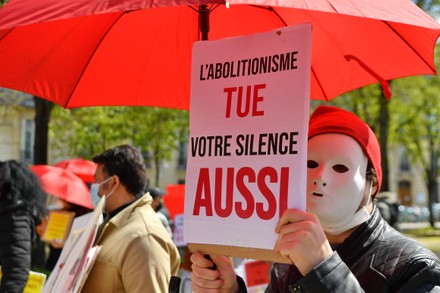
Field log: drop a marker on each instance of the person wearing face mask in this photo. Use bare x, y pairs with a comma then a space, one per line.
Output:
137, 254
341, 243
158, 206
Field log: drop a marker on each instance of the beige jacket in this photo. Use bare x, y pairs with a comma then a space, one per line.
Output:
137, 254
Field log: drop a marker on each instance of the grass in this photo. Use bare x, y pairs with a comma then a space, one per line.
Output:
429, 237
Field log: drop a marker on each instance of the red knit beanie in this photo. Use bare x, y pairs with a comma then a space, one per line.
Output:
328, 119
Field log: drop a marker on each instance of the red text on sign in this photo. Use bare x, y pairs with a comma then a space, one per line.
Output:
210, 193
245, 104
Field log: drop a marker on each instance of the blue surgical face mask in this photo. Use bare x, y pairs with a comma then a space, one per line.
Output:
94, 189
94, 197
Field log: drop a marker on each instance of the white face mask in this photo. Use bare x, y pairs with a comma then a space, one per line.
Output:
94, 190
336, 182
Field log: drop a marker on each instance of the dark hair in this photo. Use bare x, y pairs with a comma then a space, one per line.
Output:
127, 163
155, 192
372, 177
21, 188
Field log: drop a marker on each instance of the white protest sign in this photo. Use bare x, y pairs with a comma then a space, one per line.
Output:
178, 230
70, 270
247, 150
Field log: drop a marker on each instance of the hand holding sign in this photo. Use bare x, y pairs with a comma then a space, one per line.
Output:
299, 234
203, 276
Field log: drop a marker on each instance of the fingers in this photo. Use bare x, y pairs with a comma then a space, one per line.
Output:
289, 240
294, 245
201, 267
203, 285
302, 239
206, 279
197, 289
201, 261
293, 216
222, 262
202, 276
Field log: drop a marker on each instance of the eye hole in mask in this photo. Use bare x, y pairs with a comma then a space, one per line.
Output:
312, 164
339, 168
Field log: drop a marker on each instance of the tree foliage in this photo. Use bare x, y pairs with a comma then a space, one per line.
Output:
89, 131
430, 6
416, 125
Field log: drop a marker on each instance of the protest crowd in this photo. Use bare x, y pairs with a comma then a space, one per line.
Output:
137, 249
280, 194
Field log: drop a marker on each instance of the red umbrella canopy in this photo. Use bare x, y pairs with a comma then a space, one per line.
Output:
125, 52
84, 169
63, 184
174, 200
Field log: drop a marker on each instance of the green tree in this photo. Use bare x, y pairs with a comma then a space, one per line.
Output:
158, 132
416, 120
84, 132
87, 131
430, 6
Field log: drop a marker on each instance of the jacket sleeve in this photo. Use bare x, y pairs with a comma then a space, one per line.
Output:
15, 251
331, 275
424, 276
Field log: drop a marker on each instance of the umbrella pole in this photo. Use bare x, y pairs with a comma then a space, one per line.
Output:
204, 20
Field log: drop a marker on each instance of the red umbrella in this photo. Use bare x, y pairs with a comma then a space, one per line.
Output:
63, 184
125, 52
84, 169
174, 200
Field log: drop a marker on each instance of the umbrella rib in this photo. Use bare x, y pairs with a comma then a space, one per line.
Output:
9, 31
271, 10
91, 57
409, 45
320, 85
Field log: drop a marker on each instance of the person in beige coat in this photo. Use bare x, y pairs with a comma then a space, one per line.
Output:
137, 254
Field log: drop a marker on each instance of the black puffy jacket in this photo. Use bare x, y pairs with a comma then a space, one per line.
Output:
374, 258
16, 233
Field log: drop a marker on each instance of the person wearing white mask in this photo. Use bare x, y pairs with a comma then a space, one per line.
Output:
341, 243
137, 254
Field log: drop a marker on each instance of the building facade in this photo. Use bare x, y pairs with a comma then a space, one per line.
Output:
17, 126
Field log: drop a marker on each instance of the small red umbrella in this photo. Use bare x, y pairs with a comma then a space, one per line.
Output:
63, 184
84, 169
